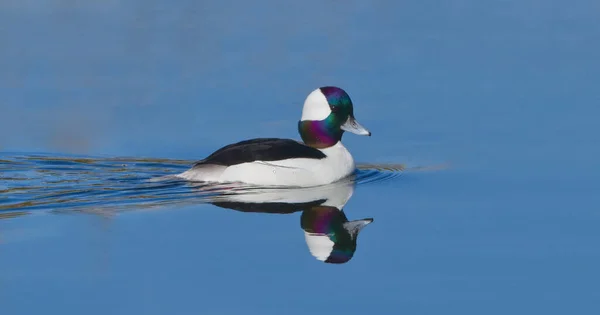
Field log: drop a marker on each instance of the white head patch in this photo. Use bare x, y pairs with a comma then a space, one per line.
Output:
316, 106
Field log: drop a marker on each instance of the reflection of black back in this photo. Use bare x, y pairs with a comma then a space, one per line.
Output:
268, 207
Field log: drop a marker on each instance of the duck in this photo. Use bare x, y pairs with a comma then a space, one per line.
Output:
319, 159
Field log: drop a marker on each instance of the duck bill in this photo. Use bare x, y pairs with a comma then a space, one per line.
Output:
351, 125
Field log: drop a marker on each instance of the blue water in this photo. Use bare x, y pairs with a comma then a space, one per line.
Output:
489, 106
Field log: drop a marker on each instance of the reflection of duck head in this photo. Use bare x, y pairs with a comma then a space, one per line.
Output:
329, 235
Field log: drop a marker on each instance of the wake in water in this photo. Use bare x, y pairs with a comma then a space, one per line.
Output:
42, 182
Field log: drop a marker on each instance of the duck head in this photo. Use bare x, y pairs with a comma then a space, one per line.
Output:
328, 112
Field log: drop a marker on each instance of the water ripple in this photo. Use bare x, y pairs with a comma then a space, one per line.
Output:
41, 182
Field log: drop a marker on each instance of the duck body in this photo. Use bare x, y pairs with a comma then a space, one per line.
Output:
274, 162
320, 159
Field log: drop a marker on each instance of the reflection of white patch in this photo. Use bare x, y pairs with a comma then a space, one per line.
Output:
319, 245
316, 106
336, 194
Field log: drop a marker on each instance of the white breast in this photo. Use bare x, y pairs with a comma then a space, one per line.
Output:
303, 172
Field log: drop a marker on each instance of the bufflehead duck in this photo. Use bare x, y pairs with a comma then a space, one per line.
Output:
322, 158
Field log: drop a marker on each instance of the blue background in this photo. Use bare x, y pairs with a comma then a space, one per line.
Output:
504, 92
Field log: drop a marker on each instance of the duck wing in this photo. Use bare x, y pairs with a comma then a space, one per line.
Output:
260, 149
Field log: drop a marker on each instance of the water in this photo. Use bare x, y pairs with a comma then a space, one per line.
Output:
104, 185
481, 175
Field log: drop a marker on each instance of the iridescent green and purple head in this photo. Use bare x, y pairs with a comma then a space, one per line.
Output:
327, 113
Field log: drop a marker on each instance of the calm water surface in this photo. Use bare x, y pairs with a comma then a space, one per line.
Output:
481, 177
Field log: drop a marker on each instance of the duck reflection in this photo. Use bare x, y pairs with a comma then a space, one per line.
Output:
328, 233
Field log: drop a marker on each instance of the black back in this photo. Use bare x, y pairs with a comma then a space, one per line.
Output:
261, 149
